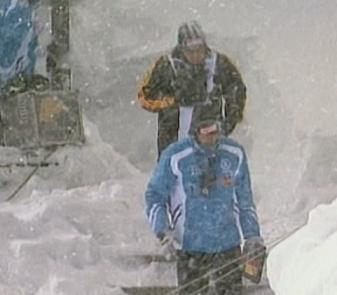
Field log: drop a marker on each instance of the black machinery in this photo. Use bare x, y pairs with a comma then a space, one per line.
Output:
39, 112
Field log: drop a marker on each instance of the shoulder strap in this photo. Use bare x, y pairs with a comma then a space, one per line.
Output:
174, 63
211, 64
170, 58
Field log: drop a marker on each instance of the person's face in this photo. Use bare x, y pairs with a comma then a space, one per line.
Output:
208, 139
195, 55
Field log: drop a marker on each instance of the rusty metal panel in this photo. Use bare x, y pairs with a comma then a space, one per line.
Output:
43, 119
59, 118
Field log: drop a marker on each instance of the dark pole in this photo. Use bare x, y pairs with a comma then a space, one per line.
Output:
59, 74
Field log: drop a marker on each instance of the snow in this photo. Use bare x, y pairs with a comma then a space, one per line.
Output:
306, 262
63, 240
73, 228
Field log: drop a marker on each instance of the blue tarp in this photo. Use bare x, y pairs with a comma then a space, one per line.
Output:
18, 39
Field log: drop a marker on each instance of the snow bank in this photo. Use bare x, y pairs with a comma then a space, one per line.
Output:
306, 263
73, 242
75, 228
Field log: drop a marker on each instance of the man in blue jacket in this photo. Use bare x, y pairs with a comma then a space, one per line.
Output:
199, 200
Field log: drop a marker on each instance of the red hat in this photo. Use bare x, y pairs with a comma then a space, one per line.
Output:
206, 128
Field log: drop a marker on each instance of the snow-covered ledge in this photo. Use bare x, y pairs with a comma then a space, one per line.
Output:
306, 263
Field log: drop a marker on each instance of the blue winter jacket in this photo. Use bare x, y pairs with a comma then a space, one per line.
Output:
211, 219
18, 39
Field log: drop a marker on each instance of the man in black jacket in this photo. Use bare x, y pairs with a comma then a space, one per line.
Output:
192, 78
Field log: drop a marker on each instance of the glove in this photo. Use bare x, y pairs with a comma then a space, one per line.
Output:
253, 247
254, 241
167, 248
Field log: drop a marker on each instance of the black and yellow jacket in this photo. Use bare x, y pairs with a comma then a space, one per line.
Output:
165, 90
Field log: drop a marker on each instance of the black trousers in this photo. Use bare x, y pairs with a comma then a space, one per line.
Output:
218, 273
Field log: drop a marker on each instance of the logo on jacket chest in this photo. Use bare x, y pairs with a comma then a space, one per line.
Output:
195, 170
226, 166
225, 170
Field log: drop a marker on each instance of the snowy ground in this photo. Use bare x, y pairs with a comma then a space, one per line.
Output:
67, 237
65, 232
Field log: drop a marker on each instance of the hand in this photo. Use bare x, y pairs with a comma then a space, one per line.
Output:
254, 241
167, 247
253, 247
